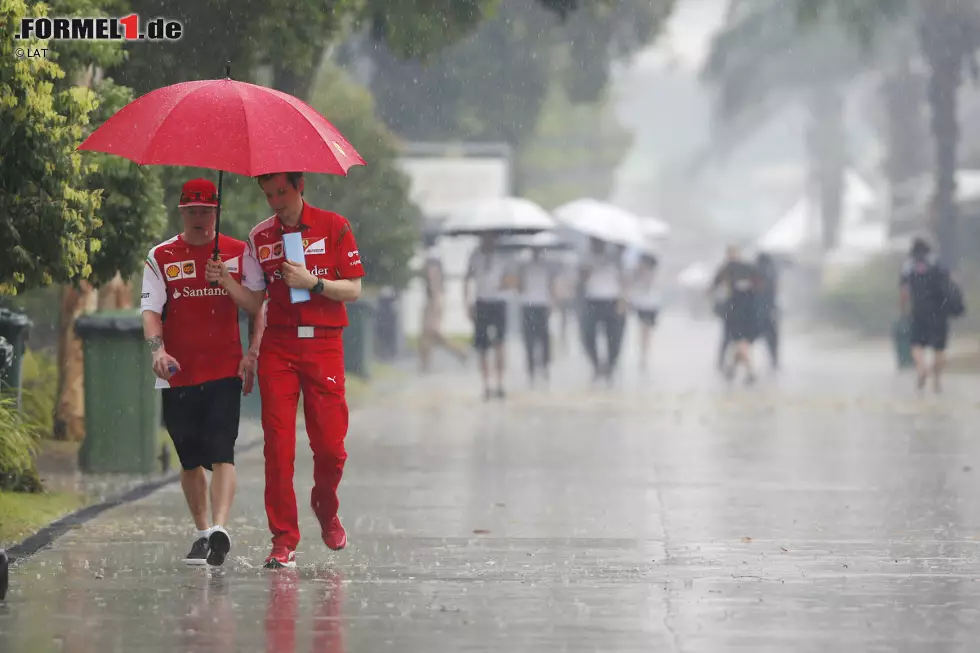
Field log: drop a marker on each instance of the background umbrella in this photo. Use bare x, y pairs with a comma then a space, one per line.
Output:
507, 215
604, 221
228, 126
543, 240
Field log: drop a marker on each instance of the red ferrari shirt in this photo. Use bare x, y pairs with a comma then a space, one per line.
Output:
200, 323
331, 253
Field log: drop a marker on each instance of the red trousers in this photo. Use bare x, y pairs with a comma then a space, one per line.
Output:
288, 364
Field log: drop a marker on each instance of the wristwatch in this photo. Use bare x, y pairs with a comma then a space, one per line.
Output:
318, 287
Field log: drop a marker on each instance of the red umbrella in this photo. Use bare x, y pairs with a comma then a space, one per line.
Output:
225, 125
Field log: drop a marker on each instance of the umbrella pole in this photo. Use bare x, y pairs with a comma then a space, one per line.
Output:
221, 175
217, 220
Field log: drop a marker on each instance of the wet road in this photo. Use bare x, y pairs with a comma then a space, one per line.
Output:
827, 508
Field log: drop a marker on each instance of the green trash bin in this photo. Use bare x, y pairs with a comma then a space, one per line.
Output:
902, 340
122, 408
359, 338
14, 328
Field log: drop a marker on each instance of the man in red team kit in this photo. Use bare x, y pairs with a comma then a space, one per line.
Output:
192, 330
302, 349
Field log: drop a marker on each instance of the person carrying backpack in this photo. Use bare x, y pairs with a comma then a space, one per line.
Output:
929, 298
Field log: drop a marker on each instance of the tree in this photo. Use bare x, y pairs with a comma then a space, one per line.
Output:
573, 152
45, 236
949, 35
761, 63
491, 85
290, 36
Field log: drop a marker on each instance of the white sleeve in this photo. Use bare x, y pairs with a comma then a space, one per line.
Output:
252, 276
154, 295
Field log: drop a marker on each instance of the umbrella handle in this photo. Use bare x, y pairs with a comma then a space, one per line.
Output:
217, 222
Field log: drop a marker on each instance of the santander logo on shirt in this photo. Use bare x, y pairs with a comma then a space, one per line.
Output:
187, 291
316, 271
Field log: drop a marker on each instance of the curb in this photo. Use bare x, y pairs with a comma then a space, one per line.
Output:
45, 537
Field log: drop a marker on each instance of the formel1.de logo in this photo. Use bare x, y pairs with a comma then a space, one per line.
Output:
125, 28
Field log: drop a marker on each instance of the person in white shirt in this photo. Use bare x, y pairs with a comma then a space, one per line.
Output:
646, 301
487, 306
536, 283
604, 291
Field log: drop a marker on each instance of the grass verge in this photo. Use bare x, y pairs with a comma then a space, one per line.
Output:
23, 514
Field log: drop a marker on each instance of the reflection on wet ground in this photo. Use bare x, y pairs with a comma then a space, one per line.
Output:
829, 507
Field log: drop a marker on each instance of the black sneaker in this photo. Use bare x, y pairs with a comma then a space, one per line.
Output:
198, 555
219, 544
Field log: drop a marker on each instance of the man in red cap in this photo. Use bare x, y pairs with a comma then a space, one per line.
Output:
302, 350
193, 334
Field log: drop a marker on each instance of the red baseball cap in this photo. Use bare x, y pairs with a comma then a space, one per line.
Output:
199, 192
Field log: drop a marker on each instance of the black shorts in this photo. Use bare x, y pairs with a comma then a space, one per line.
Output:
929, 331
742, 321
647, 316
203, 421
489, 315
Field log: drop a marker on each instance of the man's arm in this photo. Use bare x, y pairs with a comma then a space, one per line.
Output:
152, 303
248, 295
256, 327
340, 290
904, 293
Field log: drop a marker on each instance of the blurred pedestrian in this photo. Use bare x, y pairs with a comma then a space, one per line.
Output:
565, 299
741, 281
431, 335
537, 280
768, 305
646, 300
193, 334
604, 287
487, 307
927, 299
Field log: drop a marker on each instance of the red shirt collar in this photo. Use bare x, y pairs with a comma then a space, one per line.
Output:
304, 222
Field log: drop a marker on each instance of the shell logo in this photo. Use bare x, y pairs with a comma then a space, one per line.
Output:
189, 267
173, 271
264, 252
338, 148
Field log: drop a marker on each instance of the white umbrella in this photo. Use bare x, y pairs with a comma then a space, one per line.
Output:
542, 240
604, 221
696, 275
505, 215
654, 227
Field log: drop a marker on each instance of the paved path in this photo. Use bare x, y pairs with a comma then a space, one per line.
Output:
827, 509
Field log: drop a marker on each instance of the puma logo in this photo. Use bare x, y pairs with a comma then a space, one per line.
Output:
332, 379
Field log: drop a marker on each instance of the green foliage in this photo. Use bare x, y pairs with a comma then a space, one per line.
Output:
864, 19
573, 152
491, 85
132, 212
375, 198
865, 298
44, 236
418, 28
18, 446
75, 57
39, 393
